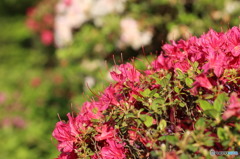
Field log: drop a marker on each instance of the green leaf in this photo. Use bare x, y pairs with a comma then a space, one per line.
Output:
124, 124
226, 143
192, 148
184, 156
153, 92
149, 121
154, 106
219, 102
182, 104
156, 95
212, 113
188, 82
208, 142
237, 126
205, 105
130, 115
195, 65
162, 125
95, 110
165, 80
222, 134
169, 138
139, 112
180, 74
200, 123
176, 89
145, 93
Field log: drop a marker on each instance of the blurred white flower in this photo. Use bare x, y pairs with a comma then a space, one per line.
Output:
104, 7
174, 34
63, 33
89, 82
131, 35
232, 6
71, 14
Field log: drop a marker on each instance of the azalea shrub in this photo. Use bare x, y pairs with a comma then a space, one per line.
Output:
183, 104
40, 20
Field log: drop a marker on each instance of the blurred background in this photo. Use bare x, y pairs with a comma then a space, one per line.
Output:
55, 54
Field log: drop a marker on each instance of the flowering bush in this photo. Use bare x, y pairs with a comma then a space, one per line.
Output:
185, 103
40, 19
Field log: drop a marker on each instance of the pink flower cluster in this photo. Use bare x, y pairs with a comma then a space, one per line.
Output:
41, 23
213, 51
69, 134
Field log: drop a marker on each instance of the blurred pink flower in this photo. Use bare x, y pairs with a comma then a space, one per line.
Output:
35, 82
47, 37
32, 24
171, 155
2, 97
234, 108
48, 19
68, 2
17, 122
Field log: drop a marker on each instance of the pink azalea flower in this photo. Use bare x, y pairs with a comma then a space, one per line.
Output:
64, 137
67, 2
132, 136
232, 36
216, 51
236, 51
128, 72
2, 97
203, 81
106, 133
32, 24
69, 155
234, 108
109, 96
67, 133
184, 66
31, 11
48, 19
113, 150
91, 111
47, 37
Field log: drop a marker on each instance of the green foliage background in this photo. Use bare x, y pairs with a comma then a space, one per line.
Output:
37, 82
